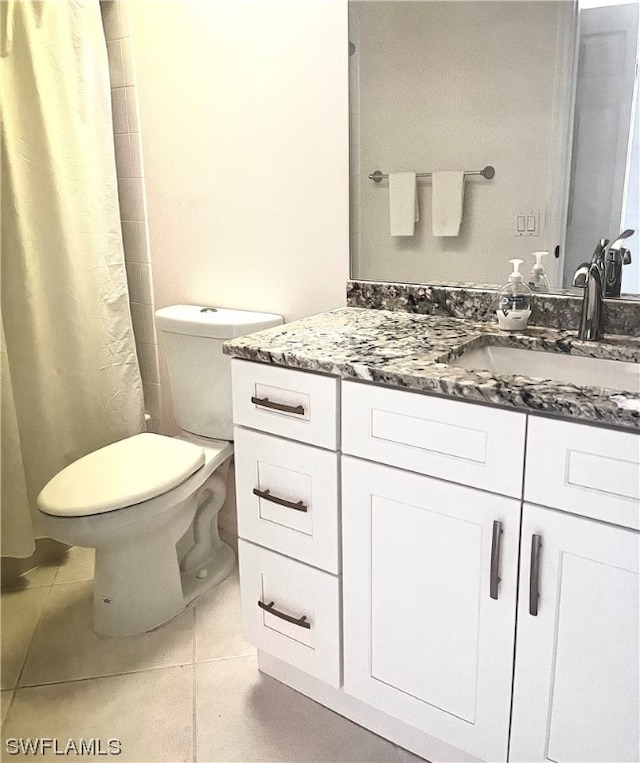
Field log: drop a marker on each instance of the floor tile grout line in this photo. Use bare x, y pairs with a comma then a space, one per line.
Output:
8, 710
223, 659
45, 603
194, 729
33, 635
66, 551
7, 587
79, 580
121, 673
42, 564
194, 700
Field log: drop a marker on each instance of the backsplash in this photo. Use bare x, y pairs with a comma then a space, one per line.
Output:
476, 301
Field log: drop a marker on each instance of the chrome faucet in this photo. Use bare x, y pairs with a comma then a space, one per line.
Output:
600, 278
591, 277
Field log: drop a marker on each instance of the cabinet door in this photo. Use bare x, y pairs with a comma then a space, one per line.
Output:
424, 640
576, 677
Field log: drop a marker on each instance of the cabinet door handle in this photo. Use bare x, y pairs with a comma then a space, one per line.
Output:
494, 577
266, 403
534, 575
301, 621
266, 494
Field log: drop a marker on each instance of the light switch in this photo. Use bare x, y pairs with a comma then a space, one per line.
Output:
528, 223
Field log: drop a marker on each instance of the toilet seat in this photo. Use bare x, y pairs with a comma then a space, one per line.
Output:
122, 474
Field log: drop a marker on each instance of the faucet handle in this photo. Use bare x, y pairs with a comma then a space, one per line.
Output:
617, 244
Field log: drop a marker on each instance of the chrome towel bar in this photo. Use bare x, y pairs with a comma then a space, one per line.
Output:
488, 172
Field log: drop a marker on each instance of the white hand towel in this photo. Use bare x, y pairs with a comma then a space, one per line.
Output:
448, 197
403, 204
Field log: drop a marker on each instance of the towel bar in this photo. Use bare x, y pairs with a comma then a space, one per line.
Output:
488, 172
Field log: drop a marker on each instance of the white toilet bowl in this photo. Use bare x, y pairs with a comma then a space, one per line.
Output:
149, 504
133, 501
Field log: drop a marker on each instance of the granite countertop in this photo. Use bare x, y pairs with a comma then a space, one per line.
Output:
412, 351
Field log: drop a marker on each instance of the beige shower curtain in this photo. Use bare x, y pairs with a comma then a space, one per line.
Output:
70, 376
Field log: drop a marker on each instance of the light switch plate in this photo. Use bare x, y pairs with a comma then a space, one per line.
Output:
527, 223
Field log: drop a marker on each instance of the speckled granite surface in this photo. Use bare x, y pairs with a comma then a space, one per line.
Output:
410, 351
477, 301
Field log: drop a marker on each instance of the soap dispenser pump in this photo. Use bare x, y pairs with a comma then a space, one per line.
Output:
538, 280
514, 301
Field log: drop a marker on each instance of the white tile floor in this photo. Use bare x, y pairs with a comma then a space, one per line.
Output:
189, 691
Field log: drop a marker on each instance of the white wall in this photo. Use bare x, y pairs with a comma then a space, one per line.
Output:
455, 85
244, 111
244, 131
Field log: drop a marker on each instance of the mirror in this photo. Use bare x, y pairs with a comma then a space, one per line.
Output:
459, 86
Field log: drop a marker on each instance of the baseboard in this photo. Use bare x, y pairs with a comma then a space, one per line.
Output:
427, 747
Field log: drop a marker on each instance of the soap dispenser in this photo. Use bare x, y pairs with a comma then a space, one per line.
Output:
514, 301
538, 280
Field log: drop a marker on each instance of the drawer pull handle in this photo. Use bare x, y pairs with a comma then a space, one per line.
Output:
266, 494
266, 403
534, 575
494, 577
301, 621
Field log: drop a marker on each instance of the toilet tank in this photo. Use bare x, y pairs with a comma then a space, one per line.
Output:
199, 373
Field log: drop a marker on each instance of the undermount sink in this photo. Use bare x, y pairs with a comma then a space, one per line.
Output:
568, 369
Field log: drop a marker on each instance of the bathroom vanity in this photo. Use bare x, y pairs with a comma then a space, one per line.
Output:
446, 556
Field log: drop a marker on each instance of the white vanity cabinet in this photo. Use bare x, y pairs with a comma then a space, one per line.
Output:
576, 671
577, 682
413, 551
287, 499
429, 563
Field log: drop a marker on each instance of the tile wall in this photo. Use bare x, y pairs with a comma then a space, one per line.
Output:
117, 29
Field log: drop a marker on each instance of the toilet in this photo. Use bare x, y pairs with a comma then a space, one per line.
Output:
149, 503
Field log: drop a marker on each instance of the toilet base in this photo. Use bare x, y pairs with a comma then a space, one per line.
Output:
218, 569
137, 590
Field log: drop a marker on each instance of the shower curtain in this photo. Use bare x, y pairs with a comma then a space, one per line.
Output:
70, 375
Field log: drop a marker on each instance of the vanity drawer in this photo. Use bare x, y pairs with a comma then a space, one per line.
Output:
584, 469
471, 444
287, 497
292, 591
286, 402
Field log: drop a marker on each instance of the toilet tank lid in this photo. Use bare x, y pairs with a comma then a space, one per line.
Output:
213, 322
122, 474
